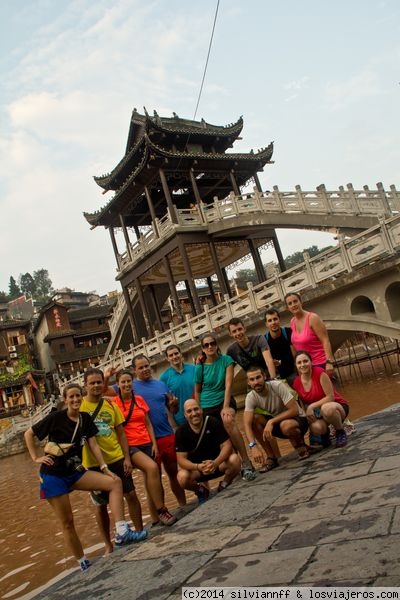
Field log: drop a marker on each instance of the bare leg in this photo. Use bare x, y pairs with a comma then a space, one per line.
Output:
135, 510
152, 480
171, 468
259, 422
103, 523
62, 507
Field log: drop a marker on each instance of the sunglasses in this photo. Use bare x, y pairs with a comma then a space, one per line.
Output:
209, 344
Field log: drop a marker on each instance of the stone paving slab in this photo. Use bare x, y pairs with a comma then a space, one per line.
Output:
252, 541
302, 511
172, 543
144, 580
368, 524
383, 496
387, 462
358, 484
396, 521
267, 568
354, 560
317, 477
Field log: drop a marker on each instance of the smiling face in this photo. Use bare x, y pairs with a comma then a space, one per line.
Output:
303, 364
142, 369
209, 346
193, 413
94, 387
256, 380
293, 303
273, 322
238, 332
73, 399
174, 357
125, 384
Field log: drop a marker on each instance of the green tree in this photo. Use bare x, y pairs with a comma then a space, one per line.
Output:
43, 285
297, 257
4, 297
13, 288
27, 284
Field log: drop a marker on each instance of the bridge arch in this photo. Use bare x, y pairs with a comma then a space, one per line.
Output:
392, 297
362, 305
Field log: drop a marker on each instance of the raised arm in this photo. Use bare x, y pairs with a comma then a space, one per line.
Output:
320, 330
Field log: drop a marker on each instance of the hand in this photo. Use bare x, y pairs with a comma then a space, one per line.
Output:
208, 467
329, 369
127, 466
226, 414
257, 455
172, 403
154, 451
44, 460
109, 372
110, 474
311, 418
267, 433
277, 363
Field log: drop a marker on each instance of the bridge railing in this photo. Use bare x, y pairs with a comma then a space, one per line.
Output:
19, 426
343, 201
349, 255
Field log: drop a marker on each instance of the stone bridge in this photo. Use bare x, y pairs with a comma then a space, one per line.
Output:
353, 287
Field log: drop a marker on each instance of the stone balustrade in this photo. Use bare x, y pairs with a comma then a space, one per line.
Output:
343, 201
350, 254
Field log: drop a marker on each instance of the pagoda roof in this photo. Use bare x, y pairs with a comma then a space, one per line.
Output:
178, 161
144, 127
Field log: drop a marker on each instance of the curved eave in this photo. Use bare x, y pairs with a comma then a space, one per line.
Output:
263, 155
107, 181
181, 126
102, 216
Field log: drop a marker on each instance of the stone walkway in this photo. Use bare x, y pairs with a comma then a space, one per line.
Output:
331, 520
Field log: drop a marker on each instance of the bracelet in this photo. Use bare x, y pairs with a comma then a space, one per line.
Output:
330, 362
103, 467
252, 444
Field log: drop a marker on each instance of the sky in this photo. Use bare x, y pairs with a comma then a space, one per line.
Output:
319, 78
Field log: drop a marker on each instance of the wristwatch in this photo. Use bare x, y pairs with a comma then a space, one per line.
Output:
252, 444
103, 467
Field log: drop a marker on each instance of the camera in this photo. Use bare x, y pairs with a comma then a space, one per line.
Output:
74, 463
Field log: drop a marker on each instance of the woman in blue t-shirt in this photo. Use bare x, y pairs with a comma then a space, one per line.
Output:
213, 387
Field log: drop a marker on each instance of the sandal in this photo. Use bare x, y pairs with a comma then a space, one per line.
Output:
271, 463
222, 486
248, 474
303, 453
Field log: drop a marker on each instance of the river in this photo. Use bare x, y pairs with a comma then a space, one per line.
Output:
33, 552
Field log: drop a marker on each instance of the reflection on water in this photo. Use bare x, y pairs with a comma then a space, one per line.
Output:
33, 549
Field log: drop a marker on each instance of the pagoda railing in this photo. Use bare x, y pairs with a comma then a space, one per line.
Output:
349, 255
341, 202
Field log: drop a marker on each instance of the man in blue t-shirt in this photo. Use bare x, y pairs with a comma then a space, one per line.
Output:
179, 379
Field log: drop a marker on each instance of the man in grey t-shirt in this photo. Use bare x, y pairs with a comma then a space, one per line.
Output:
280, 415
248, 351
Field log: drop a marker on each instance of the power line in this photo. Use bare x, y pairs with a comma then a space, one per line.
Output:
208, 56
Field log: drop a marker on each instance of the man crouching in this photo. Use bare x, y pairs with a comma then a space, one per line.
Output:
204, 452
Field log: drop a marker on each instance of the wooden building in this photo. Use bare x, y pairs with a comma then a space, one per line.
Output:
165, 186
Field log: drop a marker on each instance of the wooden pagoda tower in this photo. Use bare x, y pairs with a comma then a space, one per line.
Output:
165, 187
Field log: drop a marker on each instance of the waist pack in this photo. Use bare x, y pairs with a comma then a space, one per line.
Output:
55, 449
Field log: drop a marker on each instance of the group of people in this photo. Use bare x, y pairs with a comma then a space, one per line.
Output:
186, 422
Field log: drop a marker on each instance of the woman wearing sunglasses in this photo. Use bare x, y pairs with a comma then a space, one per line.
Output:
213, 387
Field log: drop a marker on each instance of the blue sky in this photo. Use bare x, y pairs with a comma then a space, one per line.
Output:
320, 78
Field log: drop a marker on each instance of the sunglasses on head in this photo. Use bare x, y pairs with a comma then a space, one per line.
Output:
209, 344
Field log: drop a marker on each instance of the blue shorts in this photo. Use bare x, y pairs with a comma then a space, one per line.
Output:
54, 485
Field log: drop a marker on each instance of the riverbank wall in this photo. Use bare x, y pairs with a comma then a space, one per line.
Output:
15, 445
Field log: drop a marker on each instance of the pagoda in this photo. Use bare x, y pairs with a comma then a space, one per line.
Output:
165, 189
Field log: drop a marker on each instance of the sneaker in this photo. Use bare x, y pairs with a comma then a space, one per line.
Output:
202, 493
326, 440
99, 498
248, 474
166, 518
85, 564
130, 537
315, 440
341, 438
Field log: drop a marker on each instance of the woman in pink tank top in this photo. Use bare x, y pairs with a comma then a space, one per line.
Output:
310, 334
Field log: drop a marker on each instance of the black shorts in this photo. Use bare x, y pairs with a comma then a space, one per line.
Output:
276, 430
118, 469
215, 411
145, 448
214, 475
